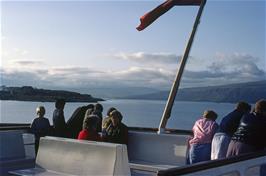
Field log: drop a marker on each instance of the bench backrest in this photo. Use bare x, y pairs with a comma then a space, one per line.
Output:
77, 157
12, 146
168, 149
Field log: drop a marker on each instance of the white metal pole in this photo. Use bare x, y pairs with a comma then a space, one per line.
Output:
171, 98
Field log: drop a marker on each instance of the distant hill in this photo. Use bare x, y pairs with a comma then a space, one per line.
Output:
250, 92
115, 92
28, 93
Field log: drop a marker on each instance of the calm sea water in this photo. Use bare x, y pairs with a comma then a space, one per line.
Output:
141, 113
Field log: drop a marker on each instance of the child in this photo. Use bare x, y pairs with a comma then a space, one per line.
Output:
40, 126
89, 129
203, 131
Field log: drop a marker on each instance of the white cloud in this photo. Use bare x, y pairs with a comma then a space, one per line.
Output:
149, 58
27, 63
232, 61
83, 76
223, 69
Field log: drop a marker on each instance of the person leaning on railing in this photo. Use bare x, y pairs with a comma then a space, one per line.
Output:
98, 109
251, 133
203, 131
89, 129
227, 128
115, 131
107, 120
59, 122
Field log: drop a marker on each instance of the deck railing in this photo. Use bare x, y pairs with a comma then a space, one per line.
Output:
180, 170
208, 165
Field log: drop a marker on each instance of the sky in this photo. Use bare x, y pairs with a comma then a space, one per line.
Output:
95, 44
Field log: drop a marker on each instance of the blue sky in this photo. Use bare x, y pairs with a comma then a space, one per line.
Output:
95, 43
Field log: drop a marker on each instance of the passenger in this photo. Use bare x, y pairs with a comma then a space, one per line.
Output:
40, 126
98, 109
107, 120
251, 133
59, 122
227, 128
116, 132
203, 131
88, 113
75, 123
89, 129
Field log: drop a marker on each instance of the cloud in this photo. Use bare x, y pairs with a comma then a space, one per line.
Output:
233, 61
68, 70
226, 69
149, 58
238, 65
223, 69
27, 63
83, 76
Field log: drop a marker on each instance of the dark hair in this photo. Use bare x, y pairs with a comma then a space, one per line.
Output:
117, 114
209, 114
260, 106
90, 122
98, 107
110, 110
90, 106
60, 103
243, 106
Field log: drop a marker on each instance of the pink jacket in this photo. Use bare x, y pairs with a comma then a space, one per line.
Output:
203, 130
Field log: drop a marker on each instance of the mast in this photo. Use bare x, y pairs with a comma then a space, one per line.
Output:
171, 98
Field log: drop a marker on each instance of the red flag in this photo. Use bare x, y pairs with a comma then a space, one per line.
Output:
151, 16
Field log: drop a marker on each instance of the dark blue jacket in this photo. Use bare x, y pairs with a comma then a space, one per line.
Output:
252, 130
230, 122
40, 127
59, 123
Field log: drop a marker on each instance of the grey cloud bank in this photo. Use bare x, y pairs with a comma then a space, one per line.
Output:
223, 69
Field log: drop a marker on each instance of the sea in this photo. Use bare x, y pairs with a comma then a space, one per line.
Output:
136, 113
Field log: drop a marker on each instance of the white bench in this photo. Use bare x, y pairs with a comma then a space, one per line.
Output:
149, 151
61, 156
12, 152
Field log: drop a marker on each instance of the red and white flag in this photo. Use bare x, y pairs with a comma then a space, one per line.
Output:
151, 16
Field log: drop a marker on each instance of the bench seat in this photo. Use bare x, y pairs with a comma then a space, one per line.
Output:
63, 156
151, 152
12, 152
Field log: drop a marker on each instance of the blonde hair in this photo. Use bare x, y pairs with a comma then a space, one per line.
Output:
116, 113
260, 106
40, 110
